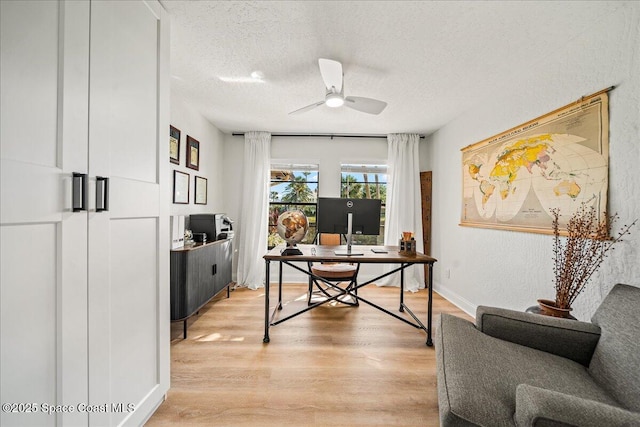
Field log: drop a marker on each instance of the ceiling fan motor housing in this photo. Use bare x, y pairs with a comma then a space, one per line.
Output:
333, 99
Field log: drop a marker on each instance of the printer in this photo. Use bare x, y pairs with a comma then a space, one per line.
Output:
226, 229
216, 226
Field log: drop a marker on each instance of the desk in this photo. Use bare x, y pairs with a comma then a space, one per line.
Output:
314, 253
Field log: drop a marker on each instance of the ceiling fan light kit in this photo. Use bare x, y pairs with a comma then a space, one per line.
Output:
257, 75
333, 76
334, 100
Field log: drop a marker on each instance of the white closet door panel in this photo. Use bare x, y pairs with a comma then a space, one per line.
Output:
30, 108
128, 244
137, 95
133, 290
124, 68
28, 320
124, 319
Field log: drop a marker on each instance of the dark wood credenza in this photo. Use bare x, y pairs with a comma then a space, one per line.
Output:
198, 273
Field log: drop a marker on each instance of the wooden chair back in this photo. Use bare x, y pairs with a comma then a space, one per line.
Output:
330, 239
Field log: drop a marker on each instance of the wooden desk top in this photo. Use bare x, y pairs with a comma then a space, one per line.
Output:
327, 254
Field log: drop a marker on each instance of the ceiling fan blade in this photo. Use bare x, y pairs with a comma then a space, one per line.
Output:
331, 73
366, 105
307, 108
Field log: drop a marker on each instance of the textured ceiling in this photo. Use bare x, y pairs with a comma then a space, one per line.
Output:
430, 61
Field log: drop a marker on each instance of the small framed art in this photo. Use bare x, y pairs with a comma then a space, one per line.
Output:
201, 190
180, 187
193, 153
174, 145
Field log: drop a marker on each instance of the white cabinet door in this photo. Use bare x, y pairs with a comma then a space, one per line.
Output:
43, 257
129, 243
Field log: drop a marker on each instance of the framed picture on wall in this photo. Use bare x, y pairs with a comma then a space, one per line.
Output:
193, 153
180, 187
174, 145
201, 190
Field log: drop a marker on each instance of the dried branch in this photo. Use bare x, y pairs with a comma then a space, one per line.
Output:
581, 254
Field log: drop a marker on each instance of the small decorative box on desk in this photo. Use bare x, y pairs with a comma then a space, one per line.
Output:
407, 247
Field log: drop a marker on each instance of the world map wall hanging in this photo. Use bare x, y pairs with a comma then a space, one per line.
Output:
560, 160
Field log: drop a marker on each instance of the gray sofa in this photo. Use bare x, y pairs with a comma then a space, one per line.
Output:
524, 369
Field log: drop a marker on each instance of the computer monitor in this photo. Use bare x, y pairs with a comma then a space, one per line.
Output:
332, 215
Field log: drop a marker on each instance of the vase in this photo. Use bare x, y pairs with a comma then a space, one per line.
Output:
548, 307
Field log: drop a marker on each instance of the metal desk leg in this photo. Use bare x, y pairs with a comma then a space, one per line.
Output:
280, 288
402, 287
430, 306
266, 303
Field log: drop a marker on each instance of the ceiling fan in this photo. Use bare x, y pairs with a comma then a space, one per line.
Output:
332, 75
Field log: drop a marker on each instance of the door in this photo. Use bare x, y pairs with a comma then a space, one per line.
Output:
129, 242
84, 304
43, 255
425, 192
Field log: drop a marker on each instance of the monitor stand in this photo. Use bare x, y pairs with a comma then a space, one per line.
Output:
348, 252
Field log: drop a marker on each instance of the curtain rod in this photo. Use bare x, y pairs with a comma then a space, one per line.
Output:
322, 135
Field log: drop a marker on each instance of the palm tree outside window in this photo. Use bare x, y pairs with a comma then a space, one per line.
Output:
293, 187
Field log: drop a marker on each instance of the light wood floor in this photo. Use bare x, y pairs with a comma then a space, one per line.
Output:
332, 366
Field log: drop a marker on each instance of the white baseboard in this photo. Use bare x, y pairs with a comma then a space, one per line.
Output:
456, 299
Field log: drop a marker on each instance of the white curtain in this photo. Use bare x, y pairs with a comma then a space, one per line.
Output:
252, 239
403, 207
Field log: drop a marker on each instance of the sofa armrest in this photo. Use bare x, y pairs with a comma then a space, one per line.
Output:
544, 408
572, 339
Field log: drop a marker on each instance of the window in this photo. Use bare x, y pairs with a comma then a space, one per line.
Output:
292, 187
365, 182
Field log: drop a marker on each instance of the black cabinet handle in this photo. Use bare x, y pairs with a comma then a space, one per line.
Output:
79, 190
102, 194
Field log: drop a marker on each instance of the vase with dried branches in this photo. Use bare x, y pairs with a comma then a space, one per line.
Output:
578, 256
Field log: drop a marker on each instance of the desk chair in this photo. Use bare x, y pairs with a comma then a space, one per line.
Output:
335, 273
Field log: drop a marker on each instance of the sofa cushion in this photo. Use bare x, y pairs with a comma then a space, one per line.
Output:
563, 337
478, 375
615, 364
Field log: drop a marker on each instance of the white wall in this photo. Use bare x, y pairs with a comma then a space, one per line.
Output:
513, 269
192, 123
